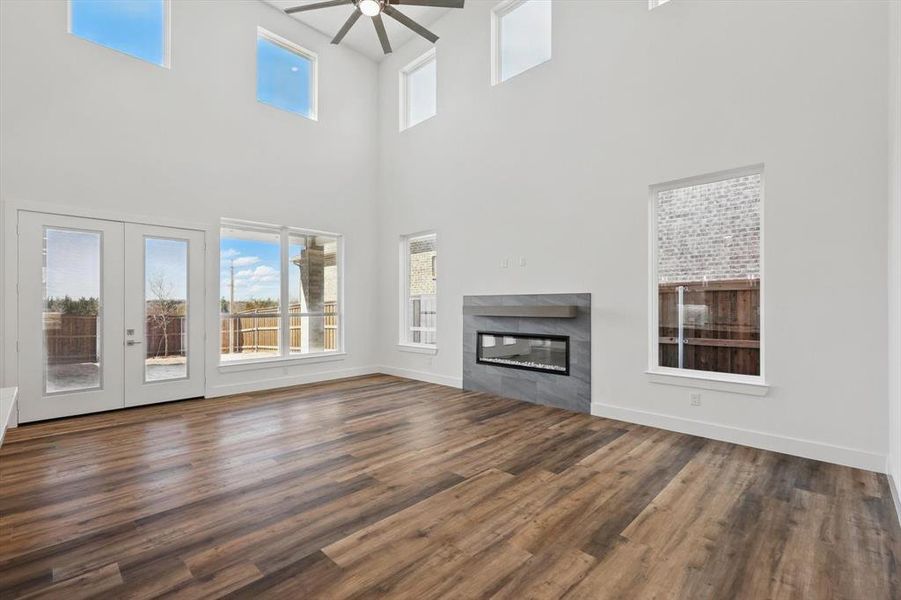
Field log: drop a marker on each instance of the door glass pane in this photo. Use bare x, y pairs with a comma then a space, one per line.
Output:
250, 276
165, 309
72, 317
313, 293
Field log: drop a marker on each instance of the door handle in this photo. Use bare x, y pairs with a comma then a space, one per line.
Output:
132, 342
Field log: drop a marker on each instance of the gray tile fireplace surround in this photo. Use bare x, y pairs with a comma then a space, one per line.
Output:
541, 314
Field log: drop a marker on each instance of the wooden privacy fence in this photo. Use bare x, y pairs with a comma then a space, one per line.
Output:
156, 340
257, 331
70, 338
721, 326
73, 338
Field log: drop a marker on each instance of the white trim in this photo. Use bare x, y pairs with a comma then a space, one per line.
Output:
404, 91
497, 14
455, 382
418, 348
894, 488
303, 53
737, 384
217, 391
653, 312
255, 364
8, 411
167, 36
840, 455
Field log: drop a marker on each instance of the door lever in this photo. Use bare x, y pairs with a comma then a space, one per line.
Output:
132, 342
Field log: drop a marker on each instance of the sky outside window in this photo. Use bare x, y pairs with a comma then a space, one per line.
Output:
283, 78
257, 271
135, 27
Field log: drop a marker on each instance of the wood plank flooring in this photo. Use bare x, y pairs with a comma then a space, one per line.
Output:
384, 487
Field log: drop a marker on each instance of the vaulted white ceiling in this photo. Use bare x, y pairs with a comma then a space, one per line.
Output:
362, 36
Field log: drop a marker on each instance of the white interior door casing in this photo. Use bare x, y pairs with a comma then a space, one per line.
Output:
164, 316
70, 315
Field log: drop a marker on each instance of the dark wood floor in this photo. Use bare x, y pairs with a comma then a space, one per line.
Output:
384, 487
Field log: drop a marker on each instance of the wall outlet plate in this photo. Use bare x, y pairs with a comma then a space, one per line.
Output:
695, 398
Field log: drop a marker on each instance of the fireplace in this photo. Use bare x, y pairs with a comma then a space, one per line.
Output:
532, 352
531, 347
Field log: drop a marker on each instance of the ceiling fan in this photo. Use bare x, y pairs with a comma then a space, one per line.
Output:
374, 9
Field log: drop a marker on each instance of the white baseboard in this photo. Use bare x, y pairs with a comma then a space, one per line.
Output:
287, 381
9, 415
893, 485
456, 382
840, 455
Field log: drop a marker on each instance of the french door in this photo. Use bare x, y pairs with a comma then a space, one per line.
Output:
110, 315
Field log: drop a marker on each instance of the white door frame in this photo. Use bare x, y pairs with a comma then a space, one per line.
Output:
9, 210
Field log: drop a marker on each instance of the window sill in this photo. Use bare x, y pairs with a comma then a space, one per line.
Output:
418, 348
281, 361
736, 384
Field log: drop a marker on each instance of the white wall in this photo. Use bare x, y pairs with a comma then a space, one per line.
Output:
90, 129
895, 252
554, 166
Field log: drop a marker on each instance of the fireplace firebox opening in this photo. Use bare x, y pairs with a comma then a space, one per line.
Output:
532, 352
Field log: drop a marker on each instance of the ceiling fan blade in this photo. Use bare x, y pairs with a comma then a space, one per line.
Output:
435, 3
383, 35
347, 25
405, 20
327, 4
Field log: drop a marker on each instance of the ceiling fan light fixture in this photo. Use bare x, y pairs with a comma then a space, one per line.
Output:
370, 8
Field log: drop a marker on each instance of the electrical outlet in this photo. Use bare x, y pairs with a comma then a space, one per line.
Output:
505, 262
522, 261
695, 398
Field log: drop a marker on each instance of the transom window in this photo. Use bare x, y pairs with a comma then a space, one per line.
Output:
707, 273
280, 292
520, 37
419, 90
419, 297
139, 28
286, 75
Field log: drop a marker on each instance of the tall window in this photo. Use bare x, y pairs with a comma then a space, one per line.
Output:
279, 292
419, 278
419, 90
520, 37
286, 75
138, 28
707, 270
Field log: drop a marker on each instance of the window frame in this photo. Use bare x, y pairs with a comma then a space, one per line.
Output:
167, 36
403, 343
300, 51
751, 384
497, 15
404, 88
284, 341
